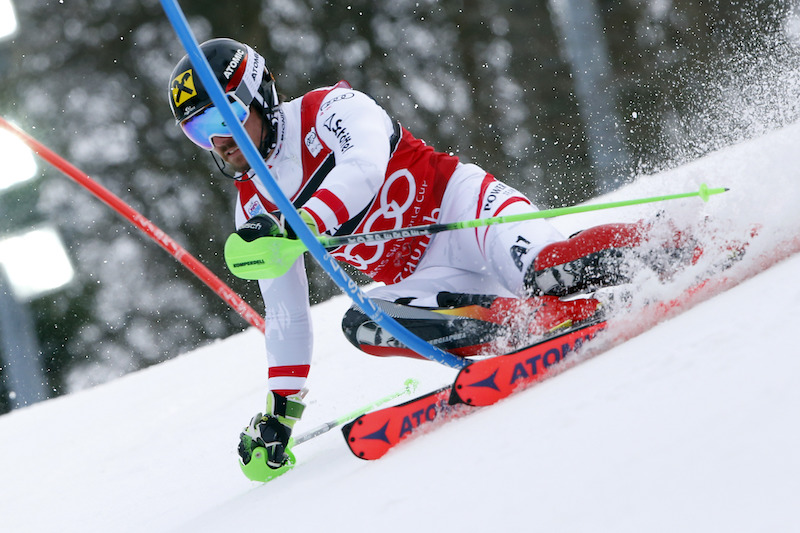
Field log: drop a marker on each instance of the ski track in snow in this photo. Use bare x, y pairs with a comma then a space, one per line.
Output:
692, 426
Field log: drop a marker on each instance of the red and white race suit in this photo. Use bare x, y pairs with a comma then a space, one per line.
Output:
341, 158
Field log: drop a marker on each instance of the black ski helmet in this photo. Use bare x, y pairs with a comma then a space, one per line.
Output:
239, 69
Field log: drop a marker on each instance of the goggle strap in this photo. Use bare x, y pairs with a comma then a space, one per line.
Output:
244, 95
260, 99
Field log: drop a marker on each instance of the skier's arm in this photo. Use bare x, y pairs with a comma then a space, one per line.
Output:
287, 324
287, 329
358, 131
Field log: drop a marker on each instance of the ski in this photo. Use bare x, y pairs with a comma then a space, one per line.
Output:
485, 382
488, 381
372, 435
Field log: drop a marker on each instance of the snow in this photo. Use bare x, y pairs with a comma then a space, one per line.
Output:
691, 426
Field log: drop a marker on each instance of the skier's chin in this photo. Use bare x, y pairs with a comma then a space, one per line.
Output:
237, 161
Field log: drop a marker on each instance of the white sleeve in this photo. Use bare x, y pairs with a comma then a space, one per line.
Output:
287, 335
287, 326
358, 131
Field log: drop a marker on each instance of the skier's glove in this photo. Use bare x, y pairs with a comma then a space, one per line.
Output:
273, 225
272, 430
264, 225
249, 256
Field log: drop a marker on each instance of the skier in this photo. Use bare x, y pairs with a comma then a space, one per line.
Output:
348, 167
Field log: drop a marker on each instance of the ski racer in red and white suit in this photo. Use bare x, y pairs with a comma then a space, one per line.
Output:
348, 168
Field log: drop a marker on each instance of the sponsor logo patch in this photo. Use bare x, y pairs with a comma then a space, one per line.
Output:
313, 143
253, 207
183, 88
334, 125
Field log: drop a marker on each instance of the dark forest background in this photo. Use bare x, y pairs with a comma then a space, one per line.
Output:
486, 79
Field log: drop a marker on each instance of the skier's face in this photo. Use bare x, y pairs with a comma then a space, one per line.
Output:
226, 148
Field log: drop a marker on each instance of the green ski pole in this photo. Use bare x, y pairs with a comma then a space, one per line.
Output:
268, 258
415, 231
410, 387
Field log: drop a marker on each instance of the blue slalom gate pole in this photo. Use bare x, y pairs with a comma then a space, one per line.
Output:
328, 263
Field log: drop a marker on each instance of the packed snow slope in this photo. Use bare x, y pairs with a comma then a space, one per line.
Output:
691, 426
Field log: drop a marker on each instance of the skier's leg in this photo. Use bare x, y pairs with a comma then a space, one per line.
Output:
418, 303
500, 251
462, 323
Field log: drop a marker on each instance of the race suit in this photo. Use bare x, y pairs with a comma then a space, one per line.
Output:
341, 158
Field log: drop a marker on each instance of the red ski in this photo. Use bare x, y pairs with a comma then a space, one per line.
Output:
372, 435
487, 381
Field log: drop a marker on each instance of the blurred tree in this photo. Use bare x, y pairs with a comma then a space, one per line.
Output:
90, 82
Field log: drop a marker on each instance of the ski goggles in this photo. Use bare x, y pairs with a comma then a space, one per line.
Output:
210, 123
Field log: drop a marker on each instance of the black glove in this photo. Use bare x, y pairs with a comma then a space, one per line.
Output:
273, 225
264, 225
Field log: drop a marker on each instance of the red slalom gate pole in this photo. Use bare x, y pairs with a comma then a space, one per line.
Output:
138, 220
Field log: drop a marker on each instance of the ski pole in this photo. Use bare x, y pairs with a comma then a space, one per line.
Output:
148, 228
417, 231
264, 260
410, 386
